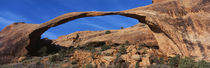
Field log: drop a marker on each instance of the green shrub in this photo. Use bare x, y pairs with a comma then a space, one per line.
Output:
62, 53
190, 63
159, 66
121, 27
74, 62
56, 58
202, 64
186, 63
145, 51
137, 65
107, 54
118, 55
127, 42
105, 47
174, 61
158, 60
89, 66
123, 50
38, 62
108, 32
43, 51
117, 58
93, 57
90, 48
155, 59
140, 47
161, 60
59, 57
70, 50
7, 66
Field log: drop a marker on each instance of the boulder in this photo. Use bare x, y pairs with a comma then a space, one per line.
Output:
108, 58
109, 51
136, 57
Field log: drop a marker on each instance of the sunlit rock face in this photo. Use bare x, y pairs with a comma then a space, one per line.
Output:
176, 26
138, 34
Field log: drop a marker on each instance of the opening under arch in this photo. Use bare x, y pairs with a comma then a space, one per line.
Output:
110, 22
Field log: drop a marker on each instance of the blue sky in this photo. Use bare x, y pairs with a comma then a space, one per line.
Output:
40, 11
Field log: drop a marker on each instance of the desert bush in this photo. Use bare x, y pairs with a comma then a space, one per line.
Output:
145, 51
108, 32
62, 53
122, 50
159, 66
56, 58
154, 59
90, 48
140, 47
161, 60
89, 66
93, 57
107, 54
137, 65
117, 58
121, 27
174, 61
74, 62
105, 47
43, 51
127, 42
6, 66
59, 57
71, 50
144, 45
186, 63
202, 64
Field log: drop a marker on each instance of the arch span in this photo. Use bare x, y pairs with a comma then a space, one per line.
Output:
36, 35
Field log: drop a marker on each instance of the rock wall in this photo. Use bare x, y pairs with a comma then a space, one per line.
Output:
138, 34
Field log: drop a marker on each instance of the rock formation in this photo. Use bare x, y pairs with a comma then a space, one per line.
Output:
138, 34
179, 27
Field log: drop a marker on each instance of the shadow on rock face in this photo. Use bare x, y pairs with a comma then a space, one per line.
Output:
44, 48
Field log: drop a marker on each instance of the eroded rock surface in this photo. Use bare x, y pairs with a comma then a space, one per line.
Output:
138, 34
179, 27
18, 39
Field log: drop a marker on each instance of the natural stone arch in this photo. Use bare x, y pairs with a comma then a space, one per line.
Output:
29, 35
66, 18
175, 19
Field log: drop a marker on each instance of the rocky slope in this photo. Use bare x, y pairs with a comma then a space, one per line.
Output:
138, 34
175, 26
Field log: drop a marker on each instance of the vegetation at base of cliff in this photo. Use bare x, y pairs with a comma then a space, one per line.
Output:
122, 50
43, 48
121, 27
90, 48
105, 47
56, 58
89, 66
188, 62
108, 32
178, 62
63, 58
